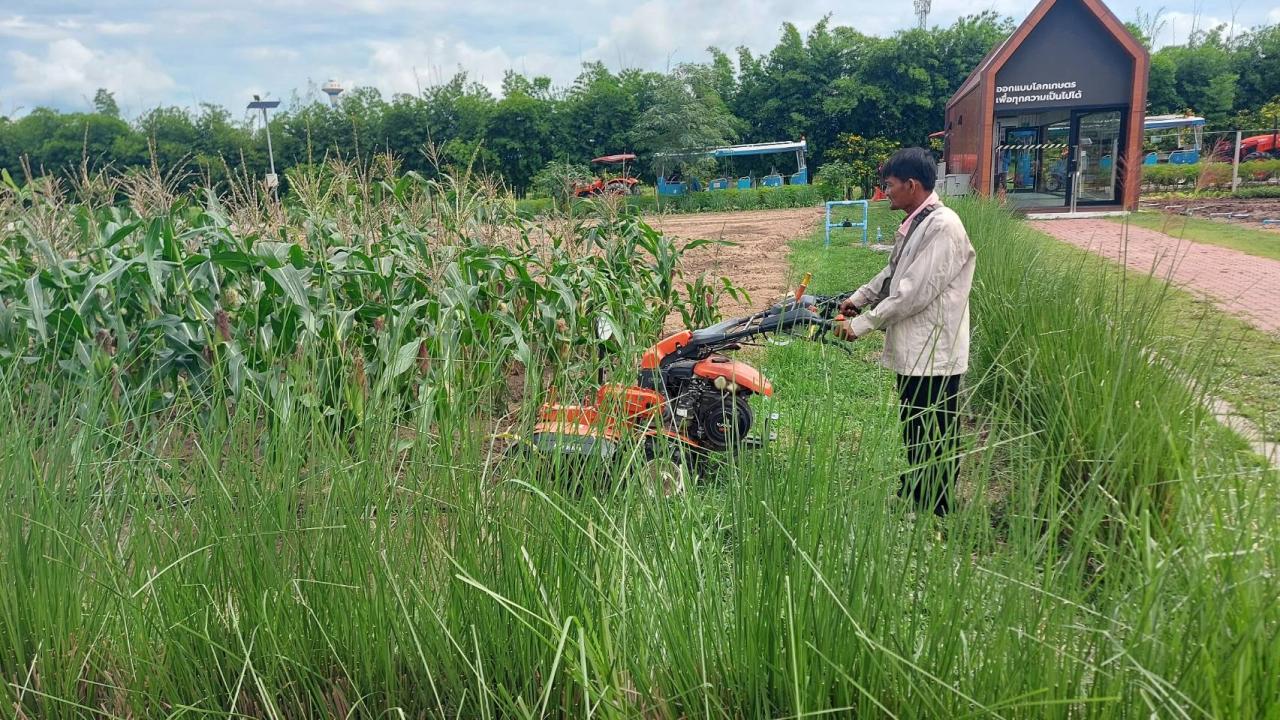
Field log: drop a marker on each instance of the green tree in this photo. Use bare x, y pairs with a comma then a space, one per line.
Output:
1162, 85
170, 133
104, 103
220, 143
681, 120
455, 116
906, 69
965, 43
1136, 31
522, 131
838, 80
58, 143
821, 85
407, 131
864, 156
599, 113
838, 179
558, 178
785, 94
1203, 79
1256, 61
1265, 117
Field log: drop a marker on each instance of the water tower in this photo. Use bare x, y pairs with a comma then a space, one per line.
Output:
333, 89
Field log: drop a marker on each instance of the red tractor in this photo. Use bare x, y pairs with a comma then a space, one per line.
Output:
1255, 147
619, 184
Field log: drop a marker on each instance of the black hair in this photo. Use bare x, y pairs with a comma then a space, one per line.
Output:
913, 163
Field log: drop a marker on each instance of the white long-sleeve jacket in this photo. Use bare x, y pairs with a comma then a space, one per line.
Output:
925, 313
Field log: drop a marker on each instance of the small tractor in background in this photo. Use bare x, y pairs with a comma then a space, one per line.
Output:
621, 183
1254, 147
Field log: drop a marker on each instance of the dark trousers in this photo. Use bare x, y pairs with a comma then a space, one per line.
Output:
928, 411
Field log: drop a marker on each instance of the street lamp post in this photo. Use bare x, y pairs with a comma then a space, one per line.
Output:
264, 105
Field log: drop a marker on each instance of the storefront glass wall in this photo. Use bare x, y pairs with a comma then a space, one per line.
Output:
1037, 155
1030, 157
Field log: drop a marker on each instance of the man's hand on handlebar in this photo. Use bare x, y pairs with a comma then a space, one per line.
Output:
847, 308
840, 328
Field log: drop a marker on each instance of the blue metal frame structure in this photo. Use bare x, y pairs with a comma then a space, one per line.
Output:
800, 177
847, 223
1184, 155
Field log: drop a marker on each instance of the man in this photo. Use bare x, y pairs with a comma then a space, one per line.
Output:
921, 301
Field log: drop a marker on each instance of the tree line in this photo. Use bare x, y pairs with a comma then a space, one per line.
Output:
840, 89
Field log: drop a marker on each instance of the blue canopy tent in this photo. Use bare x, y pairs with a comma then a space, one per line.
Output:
679, 186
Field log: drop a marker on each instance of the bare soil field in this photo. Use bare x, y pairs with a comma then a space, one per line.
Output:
758, 259
1244, 211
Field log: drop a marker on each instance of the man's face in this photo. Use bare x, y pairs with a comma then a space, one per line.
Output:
901, 194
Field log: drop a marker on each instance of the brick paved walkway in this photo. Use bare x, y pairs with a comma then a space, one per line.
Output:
1243, 285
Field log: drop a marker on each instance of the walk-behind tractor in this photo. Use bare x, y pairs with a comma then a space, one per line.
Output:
610, 183
688, 406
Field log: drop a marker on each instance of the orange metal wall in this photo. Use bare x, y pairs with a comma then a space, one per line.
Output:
964, 122
1132, 178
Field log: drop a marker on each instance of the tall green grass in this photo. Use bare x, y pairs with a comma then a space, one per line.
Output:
236, 560
1090, 453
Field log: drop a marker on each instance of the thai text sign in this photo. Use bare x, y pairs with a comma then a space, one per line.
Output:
1038, 93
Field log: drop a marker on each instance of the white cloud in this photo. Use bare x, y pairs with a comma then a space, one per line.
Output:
402, 66
267, 54
121, 28
648, 35
205, 25
17, 26
1178, 26
655, 31
69, 69
943, 12
374, 7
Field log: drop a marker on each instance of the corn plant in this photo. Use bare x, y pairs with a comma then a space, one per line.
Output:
397, 281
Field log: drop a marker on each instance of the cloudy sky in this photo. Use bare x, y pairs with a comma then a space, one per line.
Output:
57, 52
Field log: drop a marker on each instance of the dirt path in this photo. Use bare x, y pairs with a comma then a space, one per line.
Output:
758, 262
1243, 285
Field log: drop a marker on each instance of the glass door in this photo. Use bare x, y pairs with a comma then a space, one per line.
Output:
1096, 147
1054, 170
1024, 157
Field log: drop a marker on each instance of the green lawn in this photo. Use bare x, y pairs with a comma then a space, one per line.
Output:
1252, 241
854, 388
1247, 361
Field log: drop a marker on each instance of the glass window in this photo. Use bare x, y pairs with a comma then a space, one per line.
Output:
1098, 156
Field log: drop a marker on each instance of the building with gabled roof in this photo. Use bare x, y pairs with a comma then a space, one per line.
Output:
1052, 118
